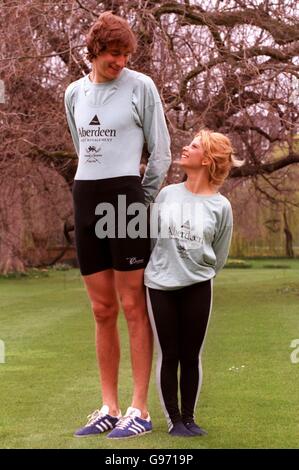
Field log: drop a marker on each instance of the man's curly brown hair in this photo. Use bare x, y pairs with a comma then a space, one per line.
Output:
109, 30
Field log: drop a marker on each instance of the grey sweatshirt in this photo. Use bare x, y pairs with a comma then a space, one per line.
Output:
109, 123
193, 238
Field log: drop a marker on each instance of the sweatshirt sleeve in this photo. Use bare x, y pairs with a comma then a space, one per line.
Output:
149, 108
223, 236
69, 109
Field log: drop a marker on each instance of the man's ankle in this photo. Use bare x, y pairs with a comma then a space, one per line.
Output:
144, 411
114, 411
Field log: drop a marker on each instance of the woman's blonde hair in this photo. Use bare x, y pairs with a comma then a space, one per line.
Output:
218, 149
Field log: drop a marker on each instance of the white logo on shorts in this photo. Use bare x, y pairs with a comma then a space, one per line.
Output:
135, 260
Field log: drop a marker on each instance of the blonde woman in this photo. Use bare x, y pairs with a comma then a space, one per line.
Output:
192, 244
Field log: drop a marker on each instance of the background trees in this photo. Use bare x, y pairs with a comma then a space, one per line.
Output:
228, 65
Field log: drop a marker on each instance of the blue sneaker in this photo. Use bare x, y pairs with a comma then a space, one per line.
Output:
195, 429
131, 425
99, 421
179, 430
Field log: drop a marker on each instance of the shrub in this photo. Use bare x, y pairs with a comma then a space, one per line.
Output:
237, 263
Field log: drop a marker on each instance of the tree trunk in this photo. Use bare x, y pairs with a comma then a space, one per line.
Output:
289, 237
11, 264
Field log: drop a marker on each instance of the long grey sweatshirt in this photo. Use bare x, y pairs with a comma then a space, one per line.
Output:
193, 238
109, 123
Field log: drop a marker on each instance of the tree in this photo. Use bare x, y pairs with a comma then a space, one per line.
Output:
228, 65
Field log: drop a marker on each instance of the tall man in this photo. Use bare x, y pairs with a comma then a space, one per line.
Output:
110, 113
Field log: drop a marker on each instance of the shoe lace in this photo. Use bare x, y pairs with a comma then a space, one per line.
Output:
124, 422
93, 417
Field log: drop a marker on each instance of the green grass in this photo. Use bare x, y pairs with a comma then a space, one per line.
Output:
49, 382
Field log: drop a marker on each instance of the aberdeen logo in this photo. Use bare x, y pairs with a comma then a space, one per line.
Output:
95, 121
181, 250
184, 233
92, 154
186, 225
93, 149
98, 132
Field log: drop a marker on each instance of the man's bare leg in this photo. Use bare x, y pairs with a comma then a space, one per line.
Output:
130, 287
101, 291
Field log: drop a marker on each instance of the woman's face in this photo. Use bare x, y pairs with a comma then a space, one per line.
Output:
192, 155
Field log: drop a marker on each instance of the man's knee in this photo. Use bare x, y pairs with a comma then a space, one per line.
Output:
105, 313
135, 309
130, 306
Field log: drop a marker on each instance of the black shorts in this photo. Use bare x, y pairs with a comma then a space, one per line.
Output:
120, 251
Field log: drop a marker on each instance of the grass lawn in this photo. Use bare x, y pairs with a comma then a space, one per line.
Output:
249, 398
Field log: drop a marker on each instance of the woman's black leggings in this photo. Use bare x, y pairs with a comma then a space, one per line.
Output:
179, 320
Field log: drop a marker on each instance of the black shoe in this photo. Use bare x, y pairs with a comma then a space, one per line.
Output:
194, 429
180, 430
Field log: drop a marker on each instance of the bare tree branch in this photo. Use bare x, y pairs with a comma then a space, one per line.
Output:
247, 170
282, 33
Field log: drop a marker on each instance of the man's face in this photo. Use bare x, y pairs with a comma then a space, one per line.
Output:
110, 63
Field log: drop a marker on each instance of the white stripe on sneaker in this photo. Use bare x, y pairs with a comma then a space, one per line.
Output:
102, 427
133, 430
139, 427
